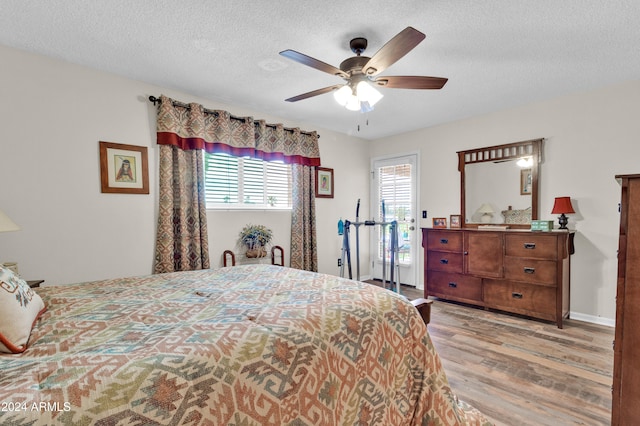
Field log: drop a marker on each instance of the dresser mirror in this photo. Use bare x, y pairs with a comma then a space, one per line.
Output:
496, 187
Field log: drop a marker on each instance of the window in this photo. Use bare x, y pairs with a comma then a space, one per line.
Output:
395, 188
241, 182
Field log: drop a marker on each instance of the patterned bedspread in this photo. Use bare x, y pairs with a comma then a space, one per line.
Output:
248, 345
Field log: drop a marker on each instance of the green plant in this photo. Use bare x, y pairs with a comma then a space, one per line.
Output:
255, 236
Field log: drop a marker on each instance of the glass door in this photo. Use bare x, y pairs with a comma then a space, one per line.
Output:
394, 187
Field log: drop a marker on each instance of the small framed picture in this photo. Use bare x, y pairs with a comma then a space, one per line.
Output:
525, 182
124, 168
324, 182
439, 222
454, 221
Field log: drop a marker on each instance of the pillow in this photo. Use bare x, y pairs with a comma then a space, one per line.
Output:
20, 307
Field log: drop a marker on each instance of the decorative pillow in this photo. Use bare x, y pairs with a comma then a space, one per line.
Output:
20, 307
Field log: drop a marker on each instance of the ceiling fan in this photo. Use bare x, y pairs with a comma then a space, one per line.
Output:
361, 72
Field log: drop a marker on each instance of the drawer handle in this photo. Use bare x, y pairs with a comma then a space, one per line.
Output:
528, 270
529, 246
516, 295
444, 241
444, 261
453, 285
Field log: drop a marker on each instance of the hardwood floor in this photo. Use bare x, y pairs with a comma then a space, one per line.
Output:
519, 371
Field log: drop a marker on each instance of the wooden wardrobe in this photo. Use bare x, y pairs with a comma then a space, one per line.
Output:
626, 361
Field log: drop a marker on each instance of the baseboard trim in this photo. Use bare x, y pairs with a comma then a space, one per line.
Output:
592, 319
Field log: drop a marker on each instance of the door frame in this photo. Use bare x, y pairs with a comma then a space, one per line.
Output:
373, 210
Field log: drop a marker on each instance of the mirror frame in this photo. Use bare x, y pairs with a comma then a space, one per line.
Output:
511, 151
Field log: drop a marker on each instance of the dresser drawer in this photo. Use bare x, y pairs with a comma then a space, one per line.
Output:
444, 261
536, 246
454, 286
527, 299
530, 270
444, 241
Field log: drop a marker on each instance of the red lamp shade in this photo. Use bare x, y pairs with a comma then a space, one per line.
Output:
562, 205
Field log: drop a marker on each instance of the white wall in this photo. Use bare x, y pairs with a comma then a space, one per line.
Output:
54, 114
590, 137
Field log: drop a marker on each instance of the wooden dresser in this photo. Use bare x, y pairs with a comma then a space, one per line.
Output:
626, 349
517, 271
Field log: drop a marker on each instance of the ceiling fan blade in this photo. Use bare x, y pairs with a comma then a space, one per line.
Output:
410, 82
314, 93
313, 63
395, 49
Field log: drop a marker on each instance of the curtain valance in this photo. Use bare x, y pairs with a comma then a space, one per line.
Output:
192, 127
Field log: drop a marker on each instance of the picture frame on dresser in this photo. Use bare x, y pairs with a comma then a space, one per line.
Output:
455, 221
439, 222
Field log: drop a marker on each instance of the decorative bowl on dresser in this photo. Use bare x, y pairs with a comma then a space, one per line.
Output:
517, 271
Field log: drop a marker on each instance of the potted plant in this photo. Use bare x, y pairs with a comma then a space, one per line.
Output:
255, 238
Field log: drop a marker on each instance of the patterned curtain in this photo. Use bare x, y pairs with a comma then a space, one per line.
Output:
304, 250
190, 126
187, 130
182, 241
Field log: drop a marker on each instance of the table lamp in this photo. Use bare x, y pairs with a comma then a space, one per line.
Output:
7, 224
562, 206
487, 213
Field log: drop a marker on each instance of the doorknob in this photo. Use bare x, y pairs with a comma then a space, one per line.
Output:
411, 228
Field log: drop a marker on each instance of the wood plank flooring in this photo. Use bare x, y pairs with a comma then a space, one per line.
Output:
519, 371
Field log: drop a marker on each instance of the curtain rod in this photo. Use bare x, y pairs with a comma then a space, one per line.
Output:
155, 101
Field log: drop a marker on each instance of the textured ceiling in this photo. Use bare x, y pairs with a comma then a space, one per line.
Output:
496, 53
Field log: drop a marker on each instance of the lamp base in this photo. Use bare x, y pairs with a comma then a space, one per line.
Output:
563, 220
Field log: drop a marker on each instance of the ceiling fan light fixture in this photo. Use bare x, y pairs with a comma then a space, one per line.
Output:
342, 95
365, 107
361, 98
353, 104
366, 93
358, 71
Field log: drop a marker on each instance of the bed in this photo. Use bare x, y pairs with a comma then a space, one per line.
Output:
244, 345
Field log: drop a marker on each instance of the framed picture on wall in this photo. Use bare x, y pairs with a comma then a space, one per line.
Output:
324, 182
124, 168
525, 182
439, 222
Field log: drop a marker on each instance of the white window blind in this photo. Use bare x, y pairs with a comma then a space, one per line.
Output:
394, 185
395, 189
240, 182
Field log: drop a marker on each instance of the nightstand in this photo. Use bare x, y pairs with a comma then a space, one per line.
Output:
35, 283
